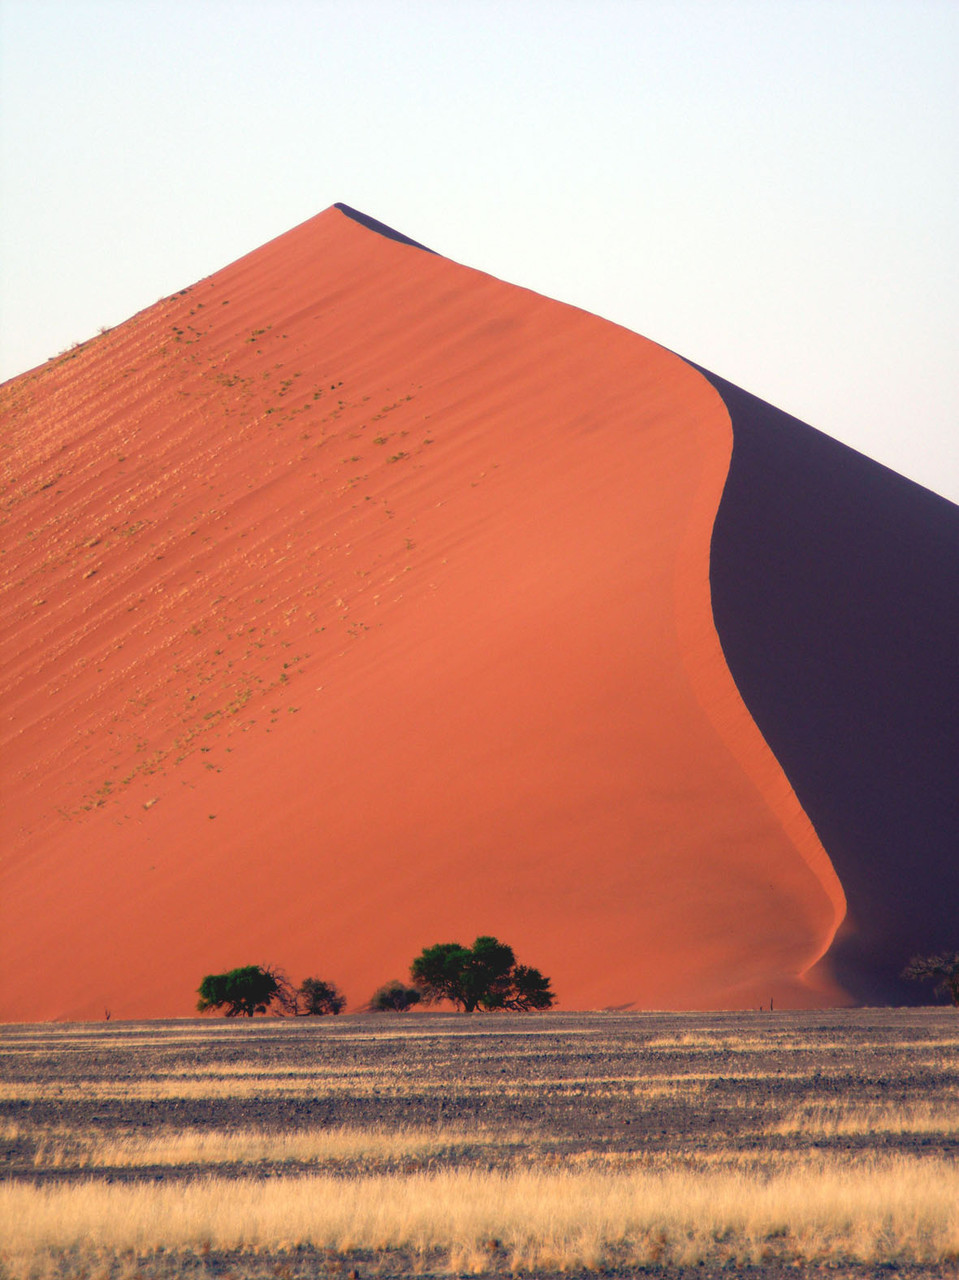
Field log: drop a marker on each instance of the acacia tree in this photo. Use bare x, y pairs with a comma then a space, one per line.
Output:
319, 998
942, 969
484, 976
395, 997
251, 989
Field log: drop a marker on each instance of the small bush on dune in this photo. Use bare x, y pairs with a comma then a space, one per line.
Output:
255, 988
317, 998
394, 996
942, 969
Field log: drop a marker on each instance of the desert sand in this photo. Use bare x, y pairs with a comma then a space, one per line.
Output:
356, 600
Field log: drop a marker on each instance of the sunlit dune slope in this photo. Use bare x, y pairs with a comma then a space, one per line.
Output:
355, 600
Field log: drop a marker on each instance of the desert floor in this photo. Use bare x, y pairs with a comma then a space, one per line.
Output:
765, 1144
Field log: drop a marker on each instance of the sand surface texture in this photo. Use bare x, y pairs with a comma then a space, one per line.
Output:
354, 601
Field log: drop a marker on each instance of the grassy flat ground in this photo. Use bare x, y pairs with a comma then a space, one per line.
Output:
436, 1144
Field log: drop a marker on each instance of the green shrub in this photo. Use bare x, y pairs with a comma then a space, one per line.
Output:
484, 976
245, 991
395, 996
317, 998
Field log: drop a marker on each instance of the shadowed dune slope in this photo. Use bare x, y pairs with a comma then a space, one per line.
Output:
836, 596
355, 601
373, 224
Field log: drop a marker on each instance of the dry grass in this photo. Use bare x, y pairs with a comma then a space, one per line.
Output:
246, 1080
191, 1147
794, 1043
199, 1085
835, 1118
864, 1212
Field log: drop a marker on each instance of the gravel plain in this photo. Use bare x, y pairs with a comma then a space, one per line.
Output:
754, 1092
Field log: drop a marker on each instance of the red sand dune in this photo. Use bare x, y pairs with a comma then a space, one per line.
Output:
354, 601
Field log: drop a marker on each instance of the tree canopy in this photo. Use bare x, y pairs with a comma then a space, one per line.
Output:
942, 969
484, 976
245, 991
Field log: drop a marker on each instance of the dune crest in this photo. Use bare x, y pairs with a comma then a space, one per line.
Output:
357, 601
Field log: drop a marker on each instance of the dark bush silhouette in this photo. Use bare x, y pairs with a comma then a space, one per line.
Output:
315, 998
942, 969
395, 996
484, 976
531, 989
246, 991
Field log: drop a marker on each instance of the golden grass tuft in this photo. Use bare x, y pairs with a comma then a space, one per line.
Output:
195, 1146
836, 1119
865, 1211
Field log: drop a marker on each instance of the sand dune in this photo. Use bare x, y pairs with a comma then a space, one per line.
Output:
356, 600
835, 586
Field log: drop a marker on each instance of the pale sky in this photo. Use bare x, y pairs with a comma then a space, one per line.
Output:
768, 187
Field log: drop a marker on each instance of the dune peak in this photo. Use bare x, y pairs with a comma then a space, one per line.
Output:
373, 224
